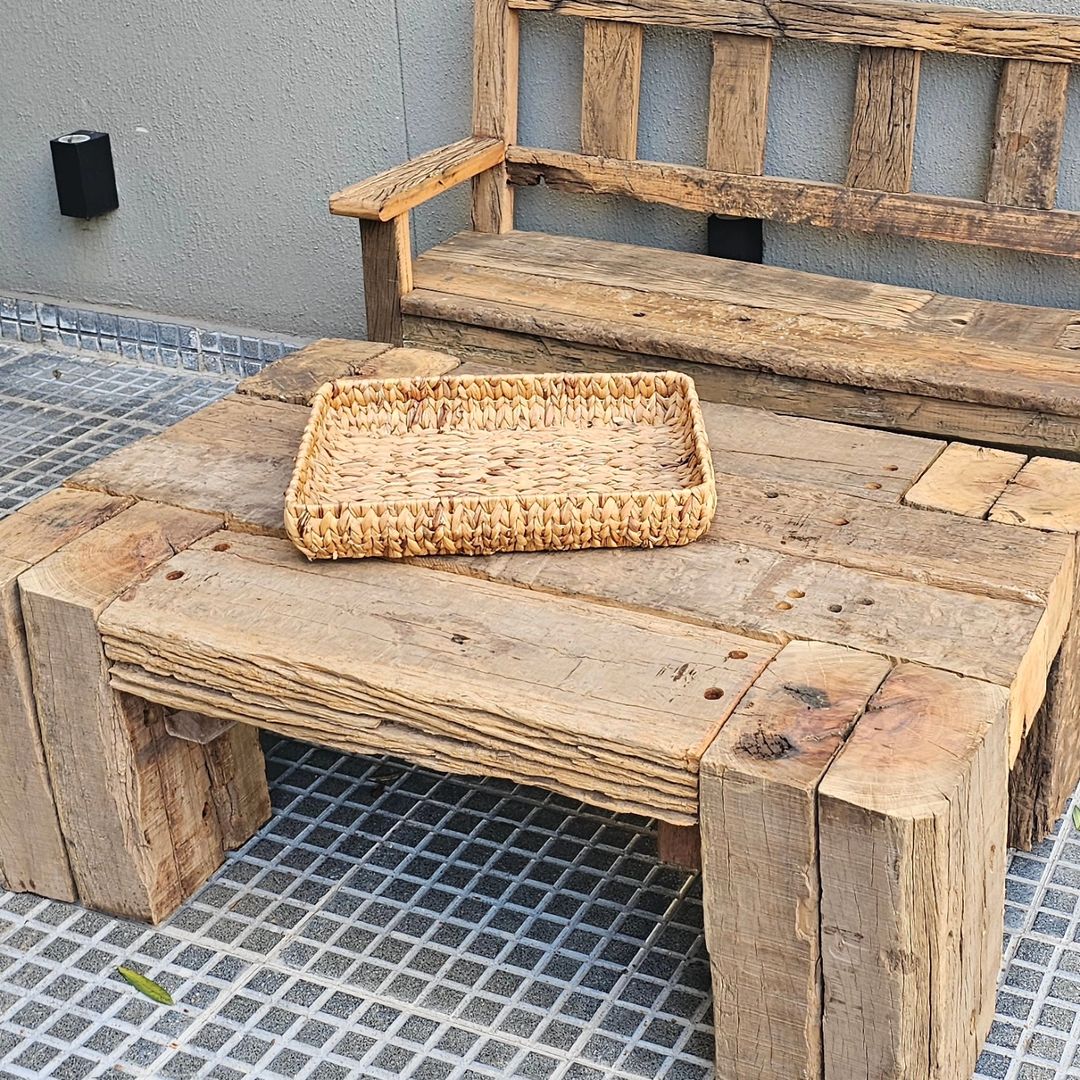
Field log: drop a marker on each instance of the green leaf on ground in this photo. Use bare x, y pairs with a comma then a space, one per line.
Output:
147, 986
1076, 817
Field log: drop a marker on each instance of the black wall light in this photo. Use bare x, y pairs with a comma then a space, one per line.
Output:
85, 180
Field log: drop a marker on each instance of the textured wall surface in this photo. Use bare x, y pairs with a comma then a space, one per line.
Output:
232, 123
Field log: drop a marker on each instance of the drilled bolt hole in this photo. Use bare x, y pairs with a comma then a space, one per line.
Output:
639, 314
891, 468
783, 606
174, 575
221, 547
714, 693
866, 602
741, 562
737, 654
772, 494
836, 607
874, 486
796, 594
841, 521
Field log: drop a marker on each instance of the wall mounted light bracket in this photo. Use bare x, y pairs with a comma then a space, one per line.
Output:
85, 179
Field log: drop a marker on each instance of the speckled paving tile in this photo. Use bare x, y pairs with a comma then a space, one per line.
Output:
391, 922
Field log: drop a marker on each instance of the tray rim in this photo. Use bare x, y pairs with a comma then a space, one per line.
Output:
320, 404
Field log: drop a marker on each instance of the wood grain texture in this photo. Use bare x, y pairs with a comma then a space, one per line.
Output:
1044, 494
912, 829
495, 108
387, 275
759, 781
1047, 770
296, 377
738, 104
883, 120
803, 202
608, 705
182, 465
929, 27
611, 88
396, 191
33, 854
693, 330
130, 799
965, 480
487, 348
1028, 129
679, 845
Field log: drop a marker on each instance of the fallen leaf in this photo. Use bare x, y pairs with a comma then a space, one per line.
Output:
146, 986
1076, 817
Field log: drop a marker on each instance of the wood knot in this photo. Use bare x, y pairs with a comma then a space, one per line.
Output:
810, 696
764, 745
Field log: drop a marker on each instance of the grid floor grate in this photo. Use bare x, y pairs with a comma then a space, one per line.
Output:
391, 922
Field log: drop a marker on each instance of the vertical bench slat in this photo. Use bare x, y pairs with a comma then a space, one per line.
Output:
883, 123
1028, 130
495, 106
611, 88
738, 103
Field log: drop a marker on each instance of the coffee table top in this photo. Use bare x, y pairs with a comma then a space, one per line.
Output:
605, 674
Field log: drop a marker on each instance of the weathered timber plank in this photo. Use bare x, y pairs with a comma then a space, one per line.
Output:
611, 88
738, 104
883, 121
912, 826
1044, 494
33, 855
237, 771
1048, 769
387, 257
774, 596
803, 202
965, 480
803, 346
612, 706
678, 273
759, 782
495, 106
930, 27
392, 193
130, 798
296, 377
1028, 430
182, 466
1028, 130
259, 438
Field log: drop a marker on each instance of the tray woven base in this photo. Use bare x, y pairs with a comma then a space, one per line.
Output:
476, 465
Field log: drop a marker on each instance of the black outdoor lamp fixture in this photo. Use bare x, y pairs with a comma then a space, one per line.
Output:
85, 180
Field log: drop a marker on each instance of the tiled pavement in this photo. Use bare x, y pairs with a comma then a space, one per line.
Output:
390, 922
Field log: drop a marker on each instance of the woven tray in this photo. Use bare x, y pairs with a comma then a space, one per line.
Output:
475, 465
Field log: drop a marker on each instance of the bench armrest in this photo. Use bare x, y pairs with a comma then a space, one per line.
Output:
389, 194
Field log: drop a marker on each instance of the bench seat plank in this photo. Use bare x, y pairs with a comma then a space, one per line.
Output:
604, 704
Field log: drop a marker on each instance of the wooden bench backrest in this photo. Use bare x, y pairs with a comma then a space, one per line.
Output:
1018, 211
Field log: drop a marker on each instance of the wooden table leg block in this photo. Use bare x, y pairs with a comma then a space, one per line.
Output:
138, 808
912, 830
33, 855
759, 780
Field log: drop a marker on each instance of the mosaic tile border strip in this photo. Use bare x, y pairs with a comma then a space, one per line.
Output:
140, 340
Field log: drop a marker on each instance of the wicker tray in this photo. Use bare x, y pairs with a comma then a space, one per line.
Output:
476, 465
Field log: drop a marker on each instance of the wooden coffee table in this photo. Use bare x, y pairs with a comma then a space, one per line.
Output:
833, 685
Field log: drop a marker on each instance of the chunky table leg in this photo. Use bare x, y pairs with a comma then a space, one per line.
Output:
143, 814
33, 855
759, 852
911, 832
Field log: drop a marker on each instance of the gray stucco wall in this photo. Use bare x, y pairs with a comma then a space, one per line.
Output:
231, 123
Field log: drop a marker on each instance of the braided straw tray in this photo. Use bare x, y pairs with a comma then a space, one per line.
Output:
475, 465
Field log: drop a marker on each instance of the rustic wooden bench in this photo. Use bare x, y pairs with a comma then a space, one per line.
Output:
899, 358
822, 683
